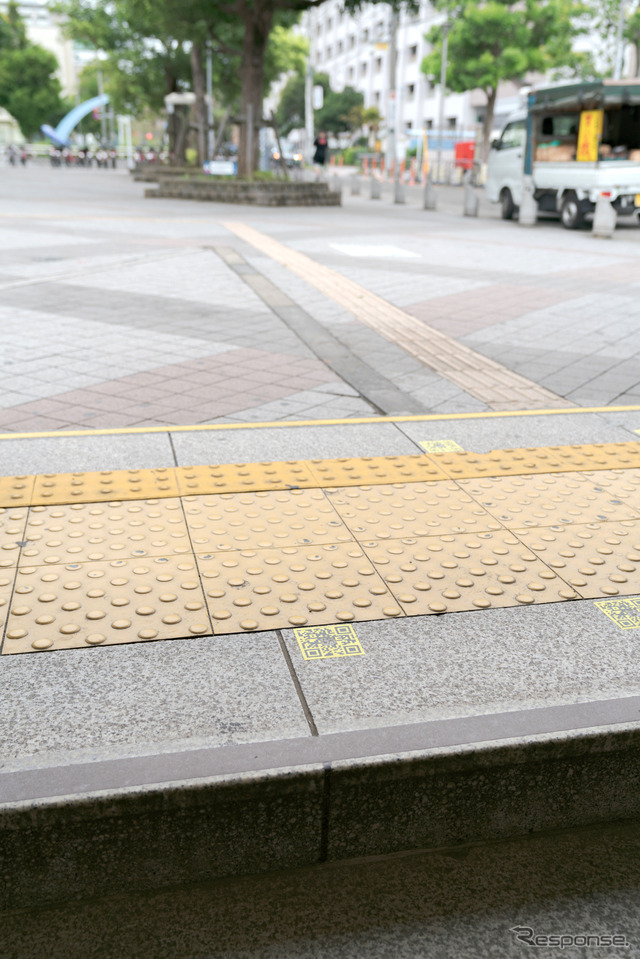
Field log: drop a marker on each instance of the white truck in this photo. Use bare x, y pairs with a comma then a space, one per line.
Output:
576, 141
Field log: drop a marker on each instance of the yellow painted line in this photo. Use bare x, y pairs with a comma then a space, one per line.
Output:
351, 421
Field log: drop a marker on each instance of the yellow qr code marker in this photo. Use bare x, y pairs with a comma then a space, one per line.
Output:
441, 446
624, 612
328, 642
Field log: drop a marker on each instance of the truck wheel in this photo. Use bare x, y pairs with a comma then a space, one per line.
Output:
571, 212
507, 206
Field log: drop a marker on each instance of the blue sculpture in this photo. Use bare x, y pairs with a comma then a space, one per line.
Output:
60, 136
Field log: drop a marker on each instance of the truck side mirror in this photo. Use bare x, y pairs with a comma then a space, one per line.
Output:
495, 144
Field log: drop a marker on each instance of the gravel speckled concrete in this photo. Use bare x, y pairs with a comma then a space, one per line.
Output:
450, 904
471, 663
145, 696
280, 443
484, 435
68, 454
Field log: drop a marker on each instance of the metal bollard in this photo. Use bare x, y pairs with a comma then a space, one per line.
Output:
375, 188
429, 198
398, 192
604, 218
471, 202
355, 185
528, 213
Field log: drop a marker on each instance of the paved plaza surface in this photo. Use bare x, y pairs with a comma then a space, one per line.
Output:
360, 364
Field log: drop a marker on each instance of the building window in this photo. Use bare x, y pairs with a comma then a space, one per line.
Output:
413, 53
379, 28
452, 123
428, 124
377, 97
329, 52
340, 46
352, 41
411, 89
365, 36
329, 23
363, 69
378, 64
351, 73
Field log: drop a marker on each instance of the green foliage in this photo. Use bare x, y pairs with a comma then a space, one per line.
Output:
340, 112
28, 88
494, 41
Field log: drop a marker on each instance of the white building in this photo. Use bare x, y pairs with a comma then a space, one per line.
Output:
43, 28
354, 51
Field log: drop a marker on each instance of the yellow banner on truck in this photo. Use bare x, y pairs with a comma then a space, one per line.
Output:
589, 135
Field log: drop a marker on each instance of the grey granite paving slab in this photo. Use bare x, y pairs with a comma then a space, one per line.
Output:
470, 663
68, 454
294, 442
508, 432
448, 904
629, 421
76, 705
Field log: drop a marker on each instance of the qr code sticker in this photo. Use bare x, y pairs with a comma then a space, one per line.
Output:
441, 446
625, 613
328, 642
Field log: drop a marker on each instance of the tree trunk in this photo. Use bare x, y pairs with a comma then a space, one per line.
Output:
257, 18
198, 81
491, 94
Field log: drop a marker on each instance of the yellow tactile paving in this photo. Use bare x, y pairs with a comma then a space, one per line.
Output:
89, 532
443, 574
219, 478
7, 577
267, 519
223, 549
547, 500
16, 490
296, 586
597, 559
93, 604
550, 459
12, 526
409, 509
375, 469
61, 488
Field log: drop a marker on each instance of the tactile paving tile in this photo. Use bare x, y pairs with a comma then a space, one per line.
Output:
261, 520
554, 499
597, 559
92, 604
7, 577
252, 590
88, 532
548, 459
409, 509
16, 490
375, 469
12, 525
445, 574
61, 488
201, 480
621, 484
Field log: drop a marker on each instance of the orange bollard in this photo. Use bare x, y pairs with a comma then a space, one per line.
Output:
412, 172
340, 161
365, 167
402, 169
382, 165
374, 166
332, 161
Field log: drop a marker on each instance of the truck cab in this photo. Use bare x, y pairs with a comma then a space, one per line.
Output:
577, 141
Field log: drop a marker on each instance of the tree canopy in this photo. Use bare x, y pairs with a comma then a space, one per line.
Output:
336, 114
494, 40
29, 89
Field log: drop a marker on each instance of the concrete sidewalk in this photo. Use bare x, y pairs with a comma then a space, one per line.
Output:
139, 338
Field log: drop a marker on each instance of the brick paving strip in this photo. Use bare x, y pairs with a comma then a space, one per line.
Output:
483, 378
